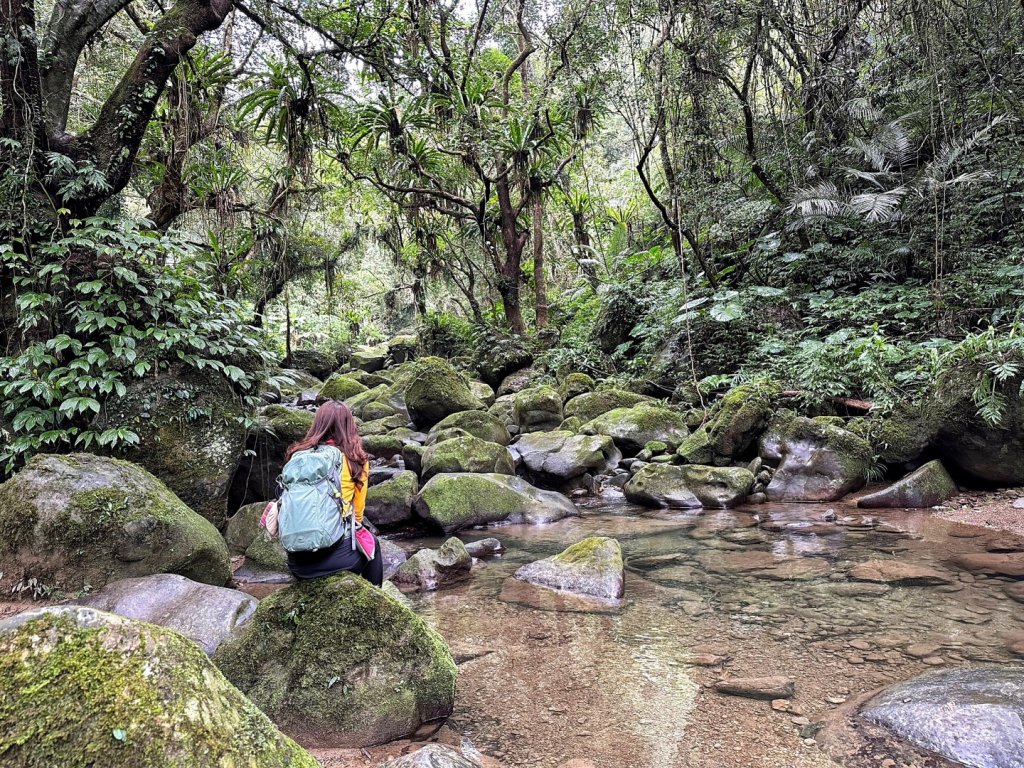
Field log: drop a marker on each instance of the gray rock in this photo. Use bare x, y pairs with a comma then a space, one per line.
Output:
432, 756
766, 688
974, 716
436, 390
431, 569
660, 485
204, 614
559, 459
925, 487
391, 501
538, 409
817, 461
590, 567
632, 428
485, 548
466, 454
393, 556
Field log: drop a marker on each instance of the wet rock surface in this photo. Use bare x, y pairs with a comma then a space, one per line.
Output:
432, 756
896, 572
767, 688
557, 459
817, 461
431, 569
927, 486
591, 567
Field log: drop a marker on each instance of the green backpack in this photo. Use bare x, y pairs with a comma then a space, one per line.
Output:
312, 513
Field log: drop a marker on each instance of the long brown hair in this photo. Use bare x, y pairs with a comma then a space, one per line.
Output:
334, 421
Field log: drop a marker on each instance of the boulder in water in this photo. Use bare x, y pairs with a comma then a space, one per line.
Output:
204, 614
661, 485
436, 390
927, 486
538, 409
431, 569
391, 501
393, 556
972, 716
632, 428
480, 424
466, 454
79, 686
455, 501
817, 461
717, 487
80, 520
342, 664
560, 459
591, 567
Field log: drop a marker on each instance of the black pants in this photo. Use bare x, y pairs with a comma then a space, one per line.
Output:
335, 559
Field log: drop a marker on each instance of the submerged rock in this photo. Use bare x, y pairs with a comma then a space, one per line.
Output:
925, 487
436, 390
479, 424
454, 501
83, 687
632, 428
765, 565
431, 569
432, 756
590, 567
558, 459
1002, 563
82, 520
766, 688
391, 501
973, 716
204, 614
485, 548
816, 461
896, 572
466, 454
342, 663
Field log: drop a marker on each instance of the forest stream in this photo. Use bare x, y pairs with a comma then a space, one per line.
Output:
753, 592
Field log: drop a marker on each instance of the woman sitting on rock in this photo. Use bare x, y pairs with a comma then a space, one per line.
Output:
334, 425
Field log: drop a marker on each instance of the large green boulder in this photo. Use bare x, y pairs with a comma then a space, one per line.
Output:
369, 359
538, 409
517, 381
191, 434
504, 409
592, 567
340, 387
80, 520
480, 424
482, 392
339, 661
498, 358
660, 485
560, 459
391, 501
718, 487
740, 419
436, 390
255, 478
592, 404
465, 454
79, 687
927, 486
243, 526
456, 501
576, 384
816, 461
383, 446
632, 428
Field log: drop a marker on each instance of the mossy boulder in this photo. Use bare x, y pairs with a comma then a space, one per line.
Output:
205, 614
82, 520
741, 417
661, 485
697, 448
403, 347
83, 687
342, 664
560, 459
538, 409
369, 359
480, 424
340, 387
576, 384
436, 390
391, 501
501, 358
593, 404
504, 409
191, 434
255, 477
466, 454
265, 553
592, 567
312, 362
816, 461
718, 487
925, 487
370, 380
482, 392
243, 526
384, 426
572, 424
456, 501
632, 428
431, 569
516, 382
383, 446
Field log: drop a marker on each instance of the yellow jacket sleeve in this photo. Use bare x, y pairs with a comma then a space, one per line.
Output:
356, 496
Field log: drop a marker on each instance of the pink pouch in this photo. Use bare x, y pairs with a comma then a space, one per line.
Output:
366, 543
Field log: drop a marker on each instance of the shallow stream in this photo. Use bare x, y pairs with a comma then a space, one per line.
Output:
749, 592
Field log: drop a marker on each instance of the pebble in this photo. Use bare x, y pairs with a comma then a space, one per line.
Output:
934, 661
835, 699
801, 720
860, 645
854, 659
780, 705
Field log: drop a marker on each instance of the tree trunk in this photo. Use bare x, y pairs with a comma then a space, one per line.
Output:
539, 278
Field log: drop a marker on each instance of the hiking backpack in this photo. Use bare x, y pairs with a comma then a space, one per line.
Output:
313, 514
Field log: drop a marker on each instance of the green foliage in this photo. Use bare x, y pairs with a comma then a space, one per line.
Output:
446, 335
108, 302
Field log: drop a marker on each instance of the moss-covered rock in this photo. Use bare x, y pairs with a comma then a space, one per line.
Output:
340, 387
436, 390
717, 487
816, 462
82, 687
255, 478
560, 459
538, 409
741, 417
403, 347
312, 362
243, 526
480, 424
383, 446
576, 384
518, 381
385, 425
482, 392
191, 434
265, 553
593, 404
925, 487
466, 454
696, 448
455, 501
632, 428
504, 409
431, 569
501, 358
660, 485
572, 424
370, 380
591, 567
391, 501
341, 663
369, 359
77, 520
